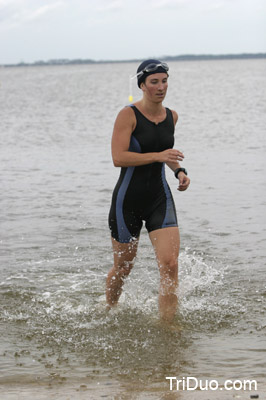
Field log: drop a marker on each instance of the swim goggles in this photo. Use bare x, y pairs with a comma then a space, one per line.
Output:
150, 68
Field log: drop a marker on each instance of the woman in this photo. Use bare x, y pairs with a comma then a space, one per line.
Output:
142, 142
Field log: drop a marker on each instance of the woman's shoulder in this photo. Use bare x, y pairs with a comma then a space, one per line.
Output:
127, 111
175, 116
126, 116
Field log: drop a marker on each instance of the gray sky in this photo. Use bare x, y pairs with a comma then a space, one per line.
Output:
32, 30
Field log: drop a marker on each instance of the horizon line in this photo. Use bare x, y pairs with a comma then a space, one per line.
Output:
183, 57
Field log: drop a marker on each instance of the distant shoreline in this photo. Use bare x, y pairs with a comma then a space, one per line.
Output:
185, 57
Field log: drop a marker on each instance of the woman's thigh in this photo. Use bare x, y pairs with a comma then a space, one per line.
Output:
166, 243
124, 253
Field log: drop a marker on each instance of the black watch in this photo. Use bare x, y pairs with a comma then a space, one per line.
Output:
180, 170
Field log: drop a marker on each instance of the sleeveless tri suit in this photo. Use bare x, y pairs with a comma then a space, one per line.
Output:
142, 193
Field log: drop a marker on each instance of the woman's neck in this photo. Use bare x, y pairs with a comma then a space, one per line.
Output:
151, 108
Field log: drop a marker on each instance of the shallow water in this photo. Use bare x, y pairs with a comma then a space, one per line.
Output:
57, 339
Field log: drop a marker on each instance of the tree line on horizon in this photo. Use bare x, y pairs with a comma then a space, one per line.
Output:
185, 57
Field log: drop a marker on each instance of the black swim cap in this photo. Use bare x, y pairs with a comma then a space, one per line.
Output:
155, 67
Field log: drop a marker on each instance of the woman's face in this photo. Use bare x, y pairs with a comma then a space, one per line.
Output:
155, 86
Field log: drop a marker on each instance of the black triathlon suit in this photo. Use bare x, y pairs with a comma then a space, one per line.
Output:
142, 193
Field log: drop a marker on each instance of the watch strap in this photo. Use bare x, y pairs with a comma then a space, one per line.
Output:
180, 170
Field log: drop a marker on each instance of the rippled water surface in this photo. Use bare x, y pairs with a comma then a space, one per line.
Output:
57, 339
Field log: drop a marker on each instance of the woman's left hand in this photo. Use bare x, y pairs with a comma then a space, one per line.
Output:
184, 181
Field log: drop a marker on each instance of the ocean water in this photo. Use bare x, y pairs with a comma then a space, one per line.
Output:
57, 339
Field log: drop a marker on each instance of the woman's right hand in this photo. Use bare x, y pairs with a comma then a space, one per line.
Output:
170, 155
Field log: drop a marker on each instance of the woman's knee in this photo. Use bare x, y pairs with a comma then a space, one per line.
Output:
124, 267
169, 267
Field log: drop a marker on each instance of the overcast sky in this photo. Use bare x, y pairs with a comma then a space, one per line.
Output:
32, 30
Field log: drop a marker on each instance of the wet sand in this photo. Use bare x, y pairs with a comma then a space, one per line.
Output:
111, 389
